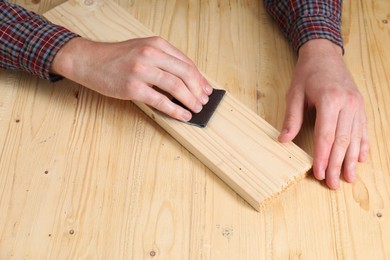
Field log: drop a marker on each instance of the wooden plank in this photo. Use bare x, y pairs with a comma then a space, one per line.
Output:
129, 191
237, 145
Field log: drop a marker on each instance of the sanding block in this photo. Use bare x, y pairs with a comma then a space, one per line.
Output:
202, 118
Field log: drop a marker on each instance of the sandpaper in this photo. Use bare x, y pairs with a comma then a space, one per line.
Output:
202, 118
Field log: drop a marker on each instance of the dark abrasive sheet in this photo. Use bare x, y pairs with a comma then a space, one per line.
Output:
202, 118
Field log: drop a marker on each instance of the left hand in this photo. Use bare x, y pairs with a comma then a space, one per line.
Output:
322, 81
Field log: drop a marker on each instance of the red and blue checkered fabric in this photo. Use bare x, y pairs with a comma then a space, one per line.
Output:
28, 42
304, 20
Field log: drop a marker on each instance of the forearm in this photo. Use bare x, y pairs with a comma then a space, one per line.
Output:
302, 21
28, 42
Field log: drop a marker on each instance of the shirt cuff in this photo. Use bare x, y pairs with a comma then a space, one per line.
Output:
41, 46
314, 27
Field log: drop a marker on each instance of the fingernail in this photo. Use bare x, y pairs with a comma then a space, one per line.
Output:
321, 175
198, 107
281, 137
187, 115
335, 182
284, 131
208, 89
204, 99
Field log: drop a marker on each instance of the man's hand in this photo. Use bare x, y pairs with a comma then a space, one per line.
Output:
322, 81
133, 69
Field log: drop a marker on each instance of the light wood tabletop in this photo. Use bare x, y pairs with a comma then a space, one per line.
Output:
87, 176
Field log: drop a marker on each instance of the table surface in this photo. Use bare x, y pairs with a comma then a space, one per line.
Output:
82, 175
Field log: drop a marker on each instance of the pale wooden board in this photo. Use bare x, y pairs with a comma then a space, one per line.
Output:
127, 188
237, 145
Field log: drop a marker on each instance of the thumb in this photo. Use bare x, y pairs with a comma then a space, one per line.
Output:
293, 118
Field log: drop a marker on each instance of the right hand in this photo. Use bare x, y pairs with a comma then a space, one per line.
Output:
131, 69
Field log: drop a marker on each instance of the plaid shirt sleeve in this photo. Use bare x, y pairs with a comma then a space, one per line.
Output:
304, 20
28, 42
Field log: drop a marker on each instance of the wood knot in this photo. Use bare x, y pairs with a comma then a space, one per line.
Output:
76, 94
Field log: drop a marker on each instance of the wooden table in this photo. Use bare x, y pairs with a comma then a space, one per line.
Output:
86, 176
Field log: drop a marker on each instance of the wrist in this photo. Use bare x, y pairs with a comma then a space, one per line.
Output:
69, 57
320, 46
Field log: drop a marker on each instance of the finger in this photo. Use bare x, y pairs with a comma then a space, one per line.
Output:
174, 86
339, 148
169, 49
364, 144
294, 115
352, 154
162, 103
188, 74
324, 134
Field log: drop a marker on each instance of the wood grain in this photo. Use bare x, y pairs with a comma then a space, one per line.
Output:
128, 190
237, 145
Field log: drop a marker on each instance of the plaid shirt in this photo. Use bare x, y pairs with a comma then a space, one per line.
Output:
29, 43
304, 20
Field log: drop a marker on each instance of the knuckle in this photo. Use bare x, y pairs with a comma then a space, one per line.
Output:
191, 71
353, 99
147, 51
343, 141
136, 68
160, 102
157, 40
356, 136
192, 82
291, 119
194, 76
332, 95
327, 138
337, 165
175, 84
